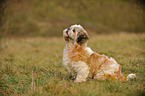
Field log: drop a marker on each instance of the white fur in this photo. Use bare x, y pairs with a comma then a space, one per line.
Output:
131, 76
82, 70
77, 26
89, 50
79, 69
109, 70
113, 59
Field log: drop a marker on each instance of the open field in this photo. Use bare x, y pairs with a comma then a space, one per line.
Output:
33, 66
31, 63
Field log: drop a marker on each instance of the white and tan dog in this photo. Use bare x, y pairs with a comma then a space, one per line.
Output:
82, 62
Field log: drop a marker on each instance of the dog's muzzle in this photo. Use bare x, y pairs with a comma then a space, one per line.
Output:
67, 38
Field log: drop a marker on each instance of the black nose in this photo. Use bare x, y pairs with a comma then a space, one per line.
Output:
67, 31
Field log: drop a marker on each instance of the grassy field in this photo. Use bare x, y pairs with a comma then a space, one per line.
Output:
31, 59
33, 67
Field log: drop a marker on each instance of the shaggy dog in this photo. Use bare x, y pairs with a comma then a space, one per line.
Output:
82, 62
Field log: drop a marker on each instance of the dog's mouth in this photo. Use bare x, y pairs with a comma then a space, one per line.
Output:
67, 38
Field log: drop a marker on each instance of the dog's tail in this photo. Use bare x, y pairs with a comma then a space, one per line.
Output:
131, 76
123, 78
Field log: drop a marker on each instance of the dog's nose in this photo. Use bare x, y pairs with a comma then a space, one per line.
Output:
67, 31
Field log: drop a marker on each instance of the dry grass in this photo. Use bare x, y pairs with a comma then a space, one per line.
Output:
33, 66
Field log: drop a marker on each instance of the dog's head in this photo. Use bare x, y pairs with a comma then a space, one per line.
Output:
75, 33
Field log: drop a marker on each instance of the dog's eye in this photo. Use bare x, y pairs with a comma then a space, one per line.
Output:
74, 30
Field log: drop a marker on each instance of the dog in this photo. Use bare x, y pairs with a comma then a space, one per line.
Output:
82, 62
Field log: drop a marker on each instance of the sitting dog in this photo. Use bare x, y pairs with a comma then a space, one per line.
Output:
82, 62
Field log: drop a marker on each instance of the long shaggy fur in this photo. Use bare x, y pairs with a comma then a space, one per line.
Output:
82, 62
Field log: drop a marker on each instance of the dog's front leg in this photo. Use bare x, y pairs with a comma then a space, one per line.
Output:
82, 71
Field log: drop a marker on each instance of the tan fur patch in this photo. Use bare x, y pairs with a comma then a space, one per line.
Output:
99, 63
95, 61
78, 54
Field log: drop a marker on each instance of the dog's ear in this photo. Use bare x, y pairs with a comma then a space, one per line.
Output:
82, 38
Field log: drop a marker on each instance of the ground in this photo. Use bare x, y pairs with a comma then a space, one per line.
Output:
33, 66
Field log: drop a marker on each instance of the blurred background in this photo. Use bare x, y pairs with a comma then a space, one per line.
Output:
23, 18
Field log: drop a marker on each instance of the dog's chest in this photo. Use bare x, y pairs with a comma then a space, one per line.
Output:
69, 58
66, 60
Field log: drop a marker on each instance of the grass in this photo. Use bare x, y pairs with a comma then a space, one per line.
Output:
31, 63
33, 66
